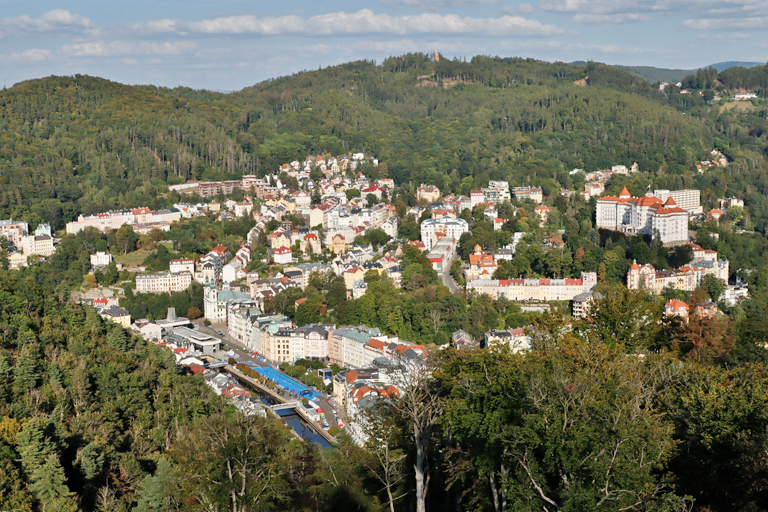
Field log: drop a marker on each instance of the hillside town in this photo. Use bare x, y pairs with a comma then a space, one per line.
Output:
323, 219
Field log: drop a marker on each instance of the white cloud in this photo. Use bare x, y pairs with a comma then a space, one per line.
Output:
610, 18
437, 4
686, 7
364, 21
727, 23
122, 48
55, 21
27, 56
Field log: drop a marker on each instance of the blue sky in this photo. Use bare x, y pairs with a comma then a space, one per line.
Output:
229, 45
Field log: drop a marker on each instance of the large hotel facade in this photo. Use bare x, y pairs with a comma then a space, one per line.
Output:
649, 215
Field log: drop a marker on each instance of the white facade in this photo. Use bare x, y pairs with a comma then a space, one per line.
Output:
40, 245
645, 215
101, 259
449, 226
390, 227
163, 282
183, 265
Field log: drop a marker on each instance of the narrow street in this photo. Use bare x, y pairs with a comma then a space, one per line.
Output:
448, 278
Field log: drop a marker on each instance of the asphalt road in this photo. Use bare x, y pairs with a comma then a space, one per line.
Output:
448, 278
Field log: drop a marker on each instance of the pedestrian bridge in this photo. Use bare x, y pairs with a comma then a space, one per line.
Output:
287, 405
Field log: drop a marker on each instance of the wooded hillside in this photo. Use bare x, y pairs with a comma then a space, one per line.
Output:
82, 144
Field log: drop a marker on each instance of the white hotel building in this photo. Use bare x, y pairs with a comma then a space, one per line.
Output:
645, 215
449, 226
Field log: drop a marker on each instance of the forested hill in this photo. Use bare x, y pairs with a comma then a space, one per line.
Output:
82, 144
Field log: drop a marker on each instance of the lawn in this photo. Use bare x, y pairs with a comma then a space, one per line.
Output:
132, 259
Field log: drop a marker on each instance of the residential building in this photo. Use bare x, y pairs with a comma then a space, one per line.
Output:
686, 278
582, 303
677, 308
534, 290
118, 315
283, 256
163, 282
339, 244
543, 213
428, 193
734, 294
101, 259
515, 339
183, 265
40, 245
448, 226
353, 341
461, 339
481, 265
442, 253
13, 231
728, 202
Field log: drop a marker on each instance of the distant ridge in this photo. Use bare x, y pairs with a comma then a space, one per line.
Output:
722, 66
653, 74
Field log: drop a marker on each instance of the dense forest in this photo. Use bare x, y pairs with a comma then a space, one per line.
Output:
625, 412
82, 144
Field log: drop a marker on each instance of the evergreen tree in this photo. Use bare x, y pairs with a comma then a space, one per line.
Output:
118, 339
47, 482
25, 371
91, 461
153, 490
6, 376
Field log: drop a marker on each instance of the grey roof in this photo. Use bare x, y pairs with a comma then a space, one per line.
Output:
115, 311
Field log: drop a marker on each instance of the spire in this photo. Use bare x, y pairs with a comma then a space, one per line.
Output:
670, 202
624, 193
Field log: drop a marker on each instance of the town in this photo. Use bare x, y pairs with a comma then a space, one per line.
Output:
323, 222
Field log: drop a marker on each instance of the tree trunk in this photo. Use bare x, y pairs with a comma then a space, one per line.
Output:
422, 473
494, 492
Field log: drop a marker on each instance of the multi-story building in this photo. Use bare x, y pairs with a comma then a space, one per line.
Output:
481, 265
428, 193
442, 253
40, 245
582, 303
534, 290
728, 202
13, 231
689, 200
390, 227
646, 215
183, 265
353, 341
448, 226
163, 282
239, 313
276, 344
311, 341
215, 301
686, 278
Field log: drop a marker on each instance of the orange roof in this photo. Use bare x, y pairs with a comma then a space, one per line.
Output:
677, 304
648, 201
670, 202
377, 344
624, 192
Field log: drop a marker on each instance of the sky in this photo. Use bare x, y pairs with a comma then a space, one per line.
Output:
231, 44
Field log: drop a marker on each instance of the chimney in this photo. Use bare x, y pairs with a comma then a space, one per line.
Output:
171, 314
